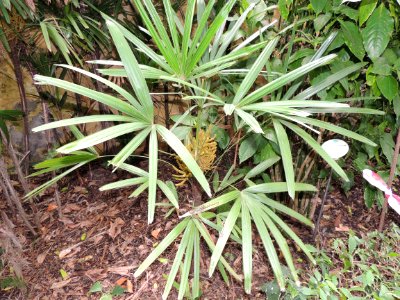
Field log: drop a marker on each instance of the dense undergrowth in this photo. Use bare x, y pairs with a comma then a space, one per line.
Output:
265, 83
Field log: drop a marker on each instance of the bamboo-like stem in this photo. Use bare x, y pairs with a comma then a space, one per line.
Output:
321, 210
390, 181
14, 54
21, 177
14, 197
7, 195
45, 111
237, 148
17, 166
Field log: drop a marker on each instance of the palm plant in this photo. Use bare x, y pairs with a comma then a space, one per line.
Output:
138, 117
192, 59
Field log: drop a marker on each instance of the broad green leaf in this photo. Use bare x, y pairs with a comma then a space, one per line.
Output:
268, 246
207, 238
147, 71
318, 5
106, 99
351, 110
46, 37
369, 196
170, 14
191, 4
321, 21
247, 247
56, 164
317, 148
284, 8
349, 12
159, 35
247, 148
55, 179
366, 8
134, 170
153, 167
187, 263
178, 258
108, 83
158, 59
254, 72
185, 156
290, 232
194, 57
388, 86
83, 120
196, 265
286, 155
268, 105
279, 187
224, 235
131, 66
59, 41
168, 193
231, 57
337, 129
221, 200
353, 39
101, 136
168, 240
96, 287
387, 145
377, 34
283, 209
261, 167
232, 33
79, 135
283, 80
140, 189
281, 241
329, 81
129, 148
123, 183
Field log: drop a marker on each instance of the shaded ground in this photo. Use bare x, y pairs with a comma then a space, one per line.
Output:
103, 236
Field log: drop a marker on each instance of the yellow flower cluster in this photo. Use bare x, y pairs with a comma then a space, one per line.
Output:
203, 149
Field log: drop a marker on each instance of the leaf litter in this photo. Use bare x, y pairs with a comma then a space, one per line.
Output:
118, 239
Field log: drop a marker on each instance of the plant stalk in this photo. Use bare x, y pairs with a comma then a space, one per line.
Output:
24, 102
390, 181
321, 210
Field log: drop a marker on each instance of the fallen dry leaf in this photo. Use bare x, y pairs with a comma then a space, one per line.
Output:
59, 285
156, 232
97, 239
112, 212
115, 228
71, 207
66, 221
124, 271
86, 258
63, 253
342, 228
96, 274
52, 206
121, 281
129, 286
41, 257
80, 190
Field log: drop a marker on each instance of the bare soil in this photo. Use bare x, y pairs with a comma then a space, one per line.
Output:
104, 236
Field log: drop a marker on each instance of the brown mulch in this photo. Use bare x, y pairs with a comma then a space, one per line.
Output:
104, 236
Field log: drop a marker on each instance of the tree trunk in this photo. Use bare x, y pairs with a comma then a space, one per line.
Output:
14, 54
